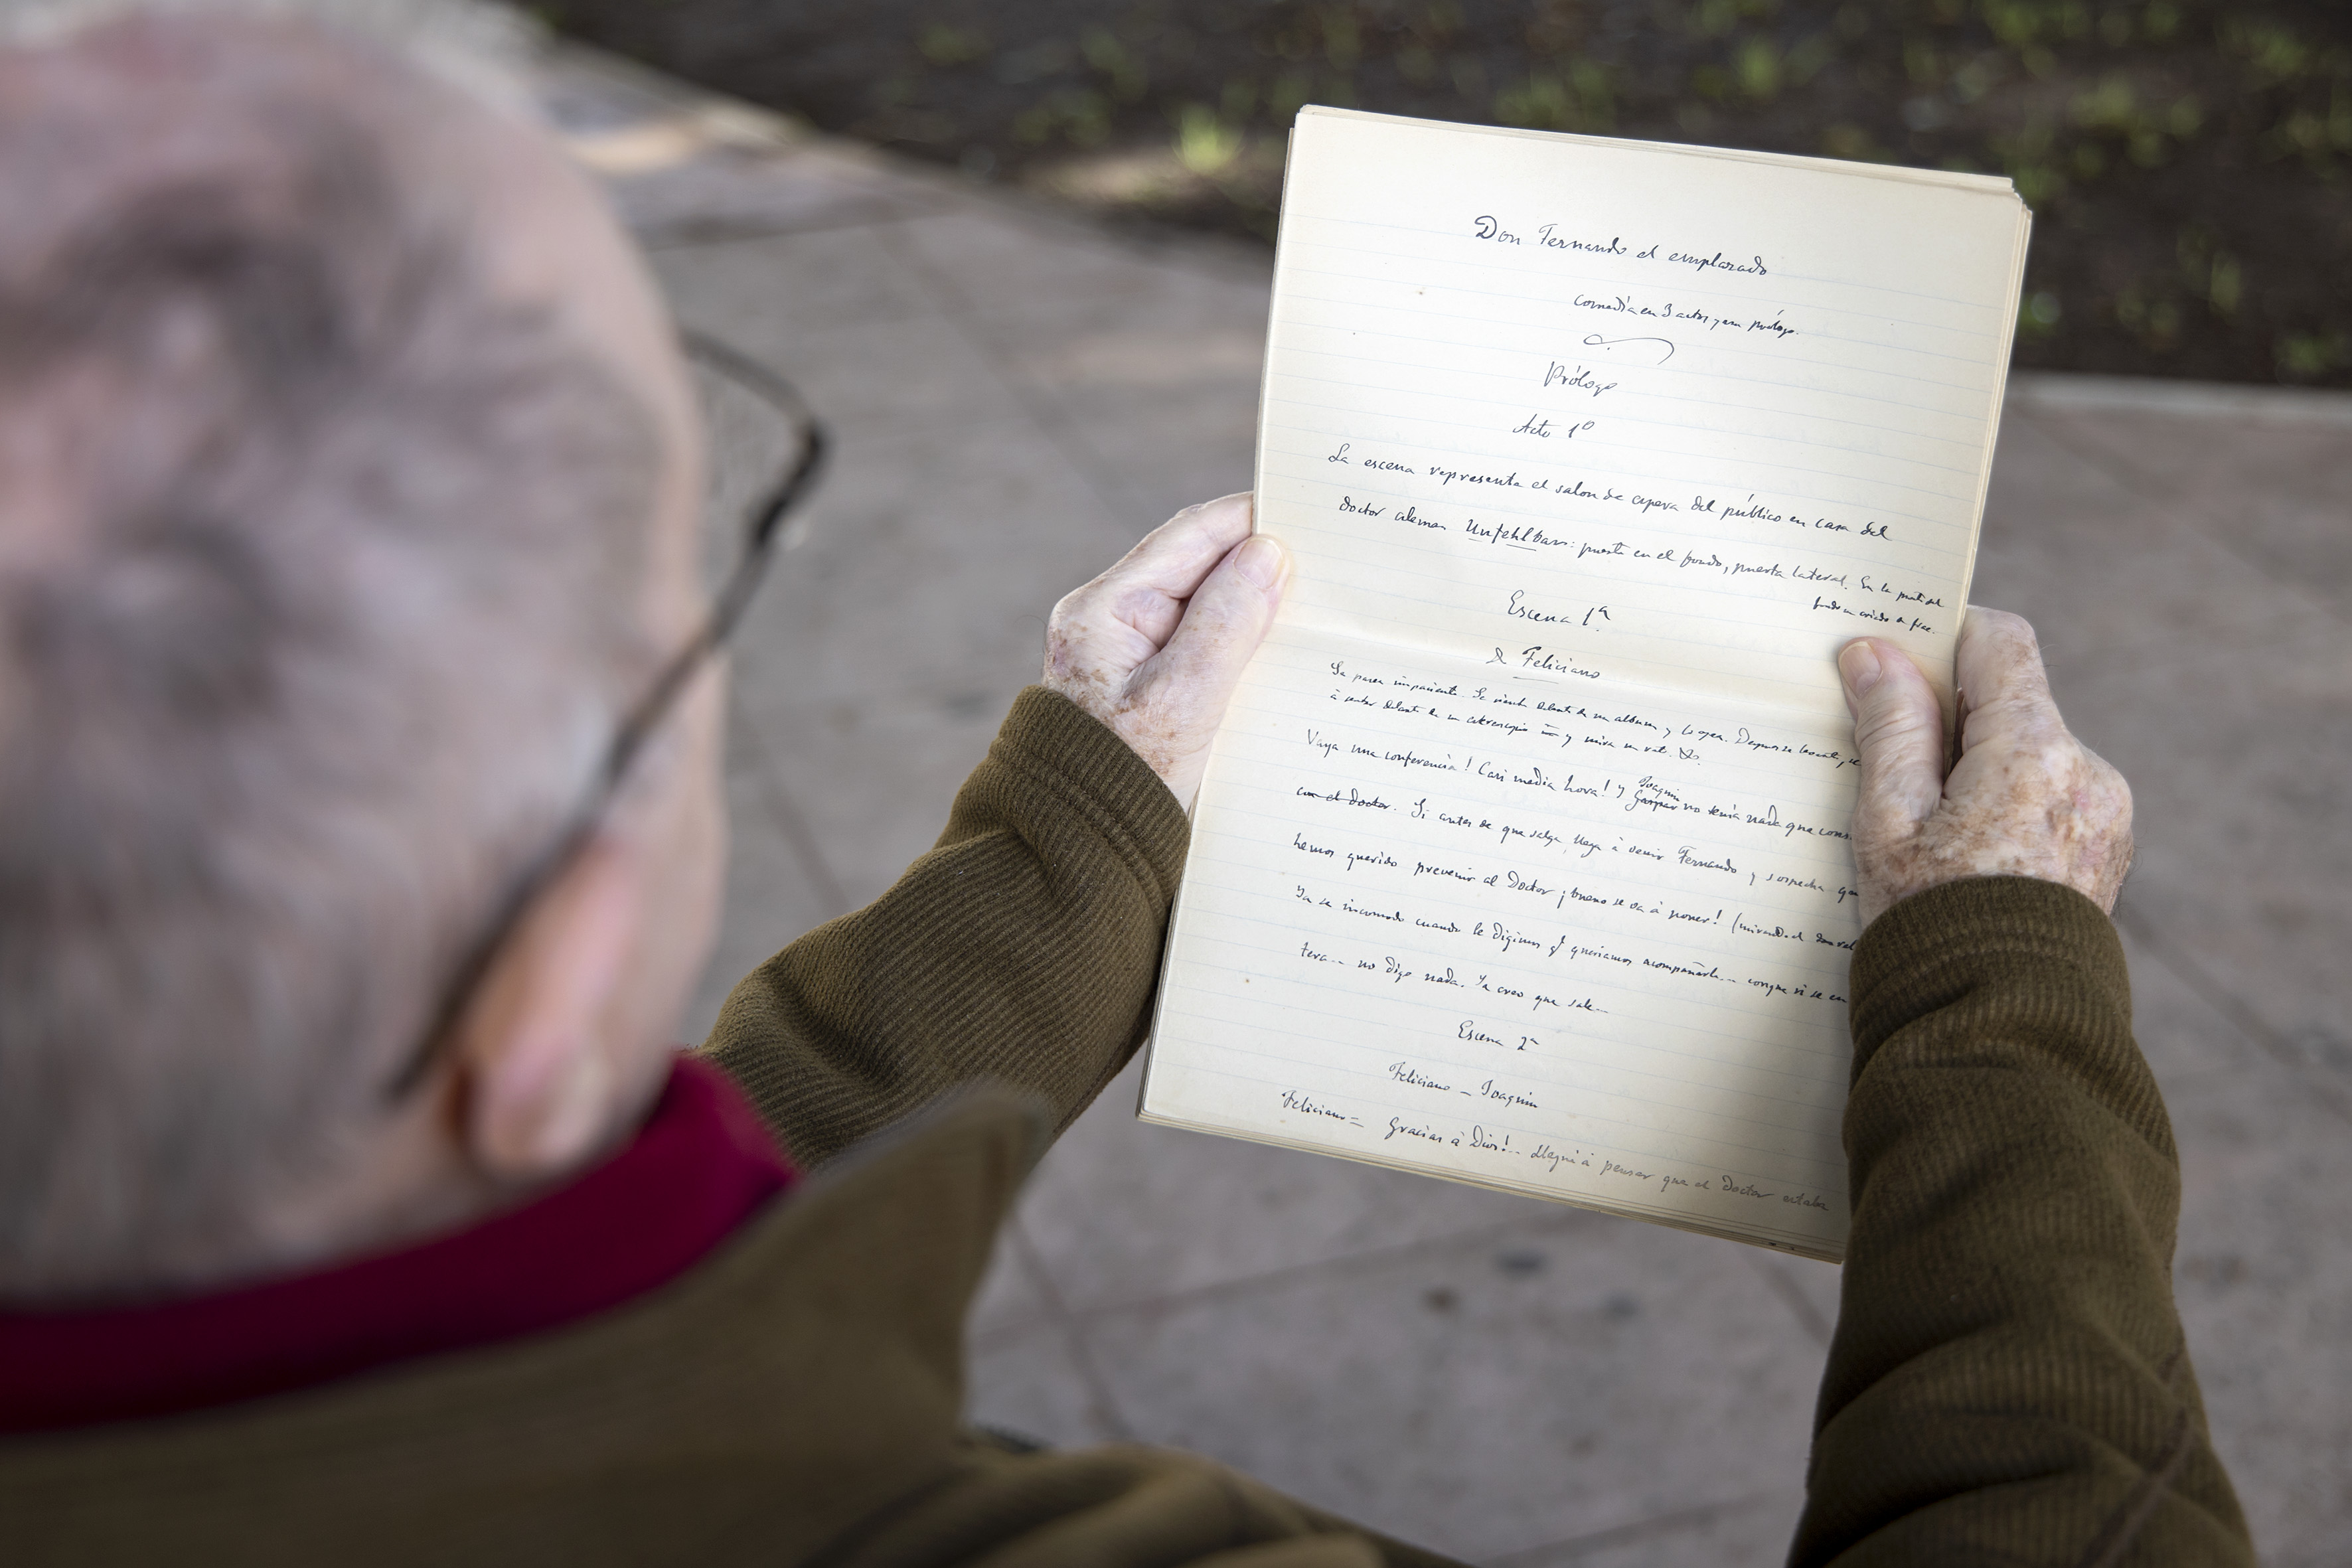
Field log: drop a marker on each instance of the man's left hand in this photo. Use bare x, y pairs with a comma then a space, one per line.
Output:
1154, 646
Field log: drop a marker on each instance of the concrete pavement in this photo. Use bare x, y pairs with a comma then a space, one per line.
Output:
1017, 397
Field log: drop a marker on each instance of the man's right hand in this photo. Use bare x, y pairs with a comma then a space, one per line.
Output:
2024, 798
1154, 646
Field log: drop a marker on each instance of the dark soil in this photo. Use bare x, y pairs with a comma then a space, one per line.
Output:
2189, 161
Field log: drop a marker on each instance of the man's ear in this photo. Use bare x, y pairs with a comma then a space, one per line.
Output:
543, 1081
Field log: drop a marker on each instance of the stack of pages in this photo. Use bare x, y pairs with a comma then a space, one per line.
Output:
1522, 859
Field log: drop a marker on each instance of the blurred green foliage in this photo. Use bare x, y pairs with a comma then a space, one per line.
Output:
2187, 160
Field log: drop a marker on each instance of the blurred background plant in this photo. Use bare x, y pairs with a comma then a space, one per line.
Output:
2187, 160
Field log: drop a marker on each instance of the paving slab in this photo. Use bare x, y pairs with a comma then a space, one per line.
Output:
2107, 576
1746, 1532
1474, 1395
681, 165
2279, 496
771, 894
864, 342
2242, 810
2269, 471
1018, 395
929, 566
2264, 1285
1145, 366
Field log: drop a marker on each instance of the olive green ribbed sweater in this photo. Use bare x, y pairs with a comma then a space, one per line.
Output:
1022, 948
2007, 1384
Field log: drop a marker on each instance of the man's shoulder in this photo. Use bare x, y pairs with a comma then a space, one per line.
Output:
804, 1373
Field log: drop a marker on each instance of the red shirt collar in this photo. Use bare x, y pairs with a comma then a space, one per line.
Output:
699, 1167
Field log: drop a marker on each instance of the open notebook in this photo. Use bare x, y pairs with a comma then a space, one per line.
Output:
1522, 859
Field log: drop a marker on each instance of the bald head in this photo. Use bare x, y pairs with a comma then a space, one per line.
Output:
345, 466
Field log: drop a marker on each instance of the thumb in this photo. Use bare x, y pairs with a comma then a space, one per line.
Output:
1224, 620
1186, 686
1898, 727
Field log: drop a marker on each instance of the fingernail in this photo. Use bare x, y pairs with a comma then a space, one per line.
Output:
1858, 662
1260, 559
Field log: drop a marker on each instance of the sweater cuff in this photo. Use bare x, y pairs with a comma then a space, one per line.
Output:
1046, 734
1936, 947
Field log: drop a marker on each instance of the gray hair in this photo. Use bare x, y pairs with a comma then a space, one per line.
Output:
482, 47
318, 588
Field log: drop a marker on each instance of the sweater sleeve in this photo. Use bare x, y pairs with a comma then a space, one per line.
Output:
2009, 1382
1022, 948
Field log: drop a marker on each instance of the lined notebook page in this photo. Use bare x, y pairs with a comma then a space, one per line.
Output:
1522, 856
1674, 418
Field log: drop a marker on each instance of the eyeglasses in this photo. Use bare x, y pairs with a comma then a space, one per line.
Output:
762, 528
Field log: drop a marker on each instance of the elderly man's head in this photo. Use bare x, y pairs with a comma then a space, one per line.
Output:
347, 481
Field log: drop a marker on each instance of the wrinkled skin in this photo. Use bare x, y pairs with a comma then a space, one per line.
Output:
1154, 646
2024, 799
